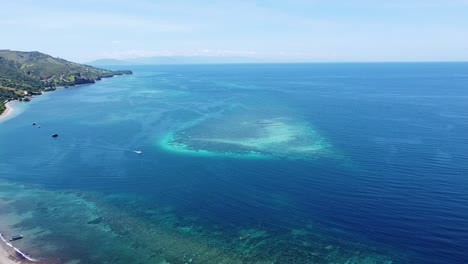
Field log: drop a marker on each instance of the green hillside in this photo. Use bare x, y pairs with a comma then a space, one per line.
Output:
28, 73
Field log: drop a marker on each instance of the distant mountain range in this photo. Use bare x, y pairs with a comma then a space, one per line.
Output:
29, 73
161, 60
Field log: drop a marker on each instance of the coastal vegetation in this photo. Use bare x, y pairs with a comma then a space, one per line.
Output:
23, 74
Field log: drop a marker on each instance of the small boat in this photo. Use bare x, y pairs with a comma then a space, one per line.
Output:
34, 124
138, 151
17, 237
55, 135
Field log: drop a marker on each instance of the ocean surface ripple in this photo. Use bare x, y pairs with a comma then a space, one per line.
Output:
267, 163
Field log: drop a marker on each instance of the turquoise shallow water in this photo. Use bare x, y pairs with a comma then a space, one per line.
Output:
273, 163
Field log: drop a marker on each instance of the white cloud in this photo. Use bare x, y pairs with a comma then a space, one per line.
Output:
141, 53
128, 54
224, 52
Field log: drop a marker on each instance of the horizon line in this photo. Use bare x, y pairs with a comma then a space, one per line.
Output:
280, 62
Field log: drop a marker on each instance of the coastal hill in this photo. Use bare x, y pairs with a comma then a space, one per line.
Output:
30, 73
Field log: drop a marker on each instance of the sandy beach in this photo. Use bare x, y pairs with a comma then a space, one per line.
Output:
8, 111
5, 255
9, 254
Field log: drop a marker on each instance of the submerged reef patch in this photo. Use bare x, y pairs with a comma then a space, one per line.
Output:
245, 136
127, 228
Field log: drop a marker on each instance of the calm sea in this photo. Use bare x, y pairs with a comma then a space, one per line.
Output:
266, 163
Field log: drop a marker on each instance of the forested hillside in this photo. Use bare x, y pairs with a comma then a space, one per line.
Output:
23, 74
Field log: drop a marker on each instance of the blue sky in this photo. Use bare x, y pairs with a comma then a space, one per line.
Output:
293, 30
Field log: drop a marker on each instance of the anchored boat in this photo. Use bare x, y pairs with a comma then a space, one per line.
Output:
17, 237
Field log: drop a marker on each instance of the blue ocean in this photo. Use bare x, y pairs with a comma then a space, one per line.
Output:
243, 163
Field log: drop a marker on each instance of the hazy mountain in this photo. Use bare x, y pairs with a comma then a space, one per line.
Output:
176, 60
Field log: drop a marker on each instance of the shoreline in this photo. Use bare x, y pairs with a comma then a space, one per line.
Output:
9, 254
8, 110
6, 255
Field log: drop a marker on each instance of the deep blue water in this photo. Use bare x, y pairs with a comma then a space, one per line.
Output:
312, 163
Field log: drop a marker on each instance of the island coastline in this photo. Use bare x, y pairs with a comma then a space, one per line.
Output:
10, 109
25, 74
